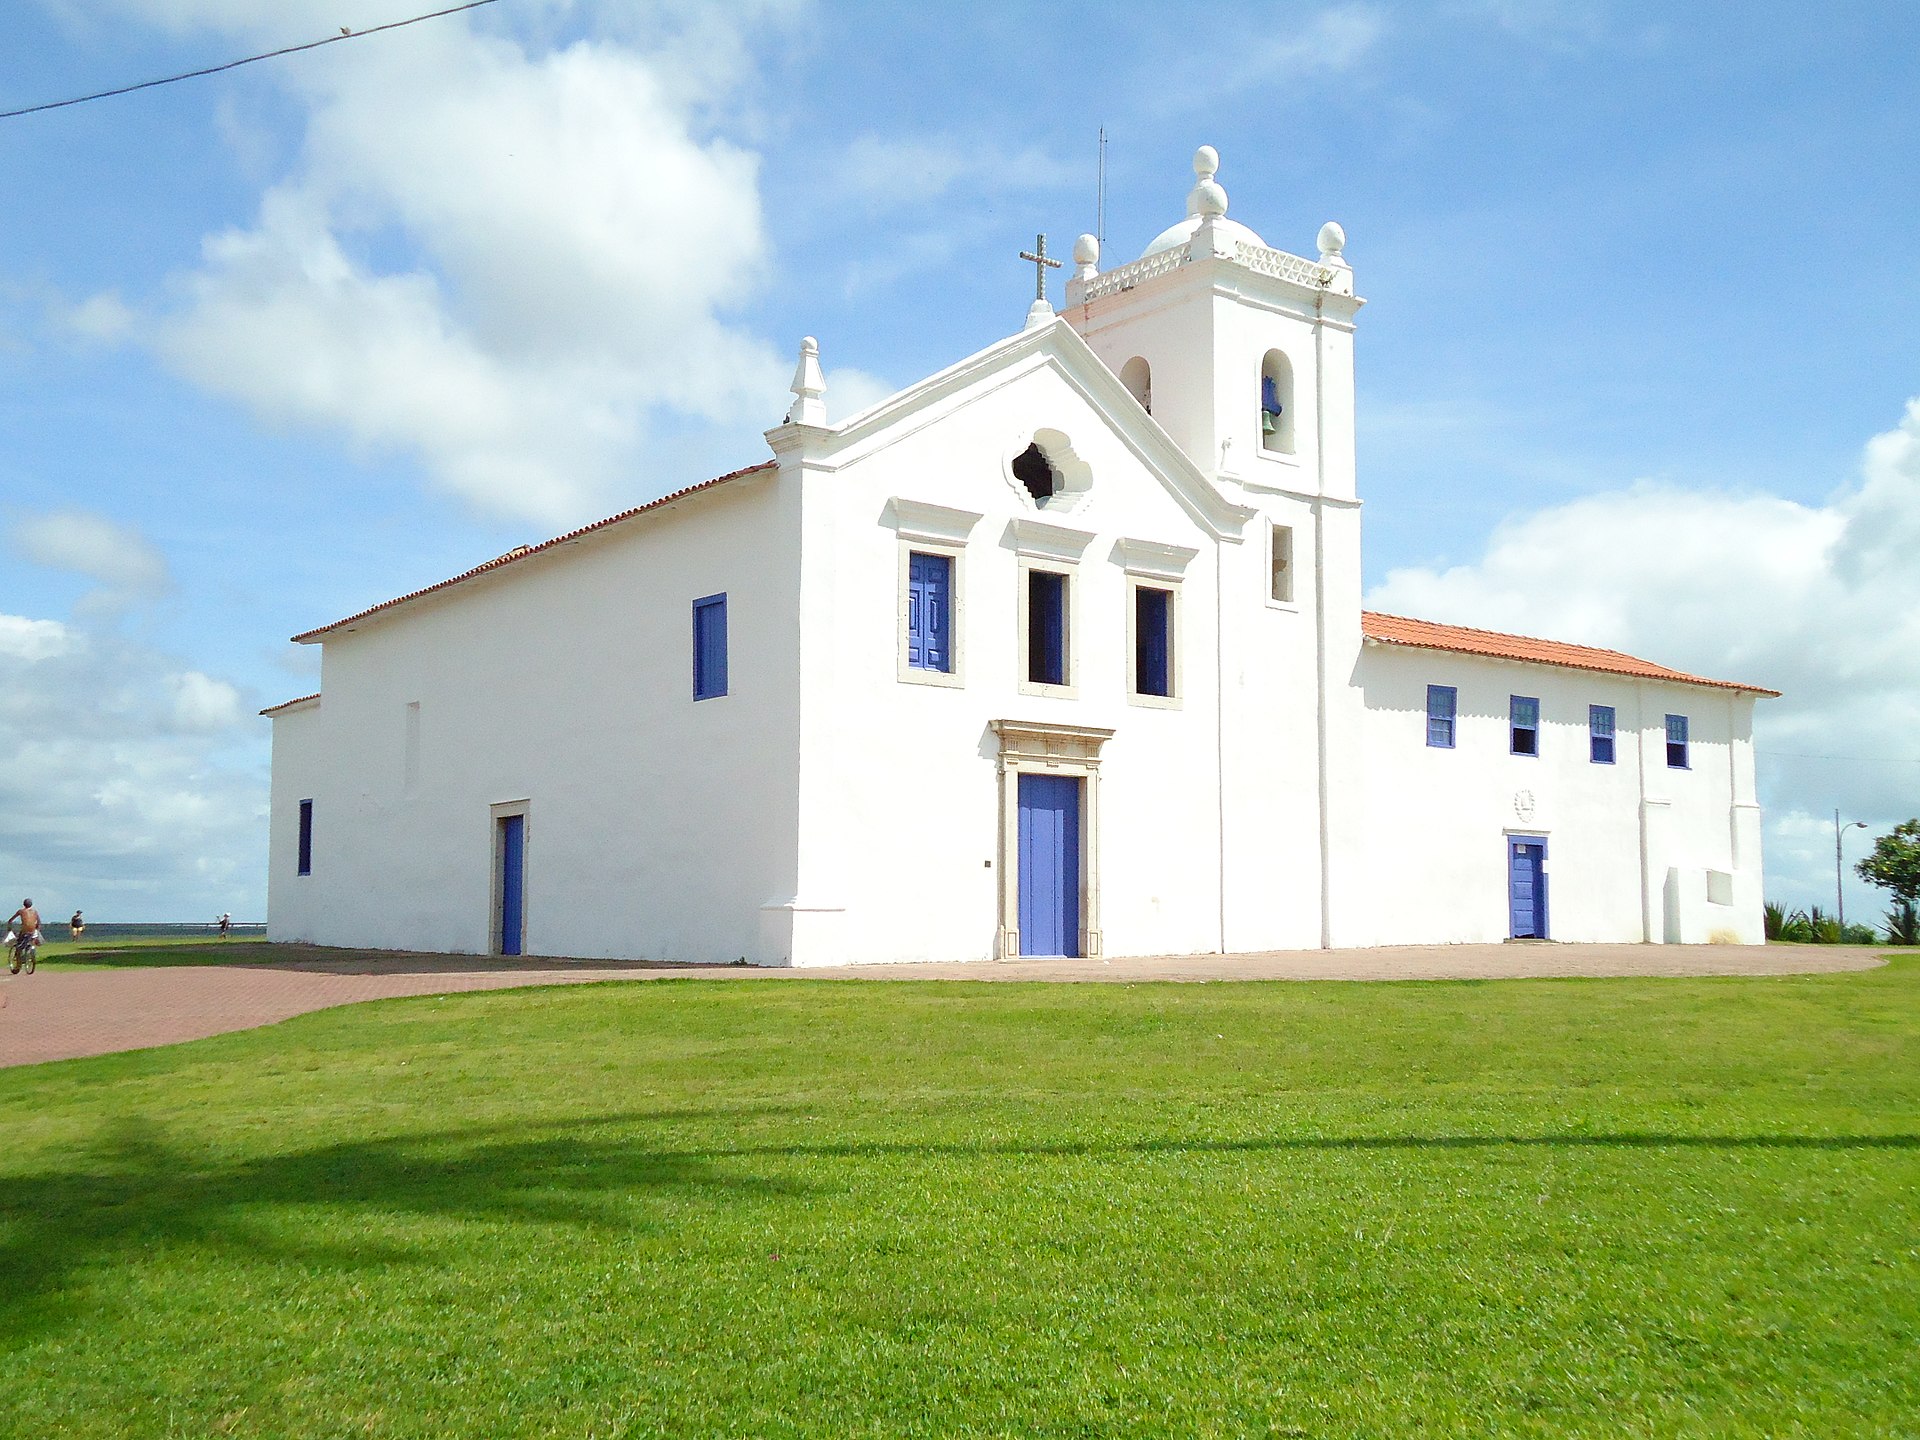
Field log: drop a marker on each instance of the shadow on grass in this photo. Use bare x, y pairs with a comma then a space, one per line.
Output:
135, 1189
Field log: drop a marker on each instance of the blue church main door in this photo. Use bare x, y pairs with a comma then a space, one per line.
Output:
1049, 873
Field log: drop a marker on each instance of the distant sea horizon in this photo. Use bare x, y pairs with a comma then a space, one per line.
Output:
56, 928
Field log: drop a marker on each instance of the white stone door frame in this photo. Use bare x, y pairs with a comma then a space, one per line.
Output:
1031, 747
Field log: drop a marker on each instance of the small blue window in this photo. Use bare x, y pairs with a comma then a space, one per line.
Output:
930, 612
1600, 734
306, 837
1046, 627
1152, 641
1443, 702
1524, 712
1677, 742
710, 647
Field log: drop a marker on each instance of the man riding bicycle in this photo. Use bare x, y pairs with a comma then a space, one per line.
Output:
23, 934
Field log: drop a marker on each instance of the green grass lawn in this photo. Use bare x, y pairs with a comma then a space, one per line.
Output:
691, 1208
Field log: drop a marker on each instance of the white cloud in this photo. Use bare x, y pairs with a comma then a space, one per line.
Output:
515, 263
203, 705
1820, 602
130, 788
127, 567
30, 640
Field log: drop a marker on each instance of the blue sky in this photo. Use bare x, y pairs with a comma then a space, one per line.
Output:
279, 343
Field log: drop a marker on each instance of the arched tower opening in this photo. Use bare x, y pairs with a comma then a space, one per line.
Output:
1276, 403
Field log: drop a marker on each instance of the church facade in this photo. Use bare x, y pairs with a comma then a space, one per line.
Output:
1059, 651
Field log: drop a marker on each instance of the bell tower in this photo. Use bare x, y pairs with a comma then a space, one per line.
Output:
1242, 353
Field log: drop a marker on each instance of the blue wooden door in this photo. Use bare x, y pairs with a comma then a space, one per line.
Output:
1049, 872
513, 873
1527, 887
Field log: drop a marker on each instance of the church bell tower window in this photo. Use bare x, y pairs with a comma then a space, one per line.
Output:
1276, 403
1137, 376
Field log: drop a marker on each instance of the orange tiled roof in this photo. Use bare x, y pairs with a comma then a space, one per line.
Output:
521, 552
289, 704
1426, 634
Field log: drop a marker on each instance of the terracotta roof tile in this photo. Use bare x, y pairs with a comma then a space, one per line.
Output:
291, 704
521, 552
1426, 634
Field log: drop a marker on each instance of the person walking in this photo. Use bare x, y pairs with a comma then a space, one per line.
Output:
76, 927
226, 925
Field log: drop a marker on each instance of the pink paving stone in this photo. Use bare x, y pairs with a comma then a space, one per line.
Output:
60, 1015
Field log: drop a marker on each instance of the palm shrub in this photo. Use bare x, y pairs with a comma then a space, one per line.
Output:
1774, 917
1903, 924
1791, 927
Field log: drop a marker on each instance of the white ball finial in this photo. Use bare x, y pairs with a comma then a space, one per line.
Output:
1332, 241
1207, 199
1086, 257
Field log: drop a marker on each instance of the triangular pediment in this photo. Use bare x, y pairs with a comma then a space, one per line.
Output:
1052, 346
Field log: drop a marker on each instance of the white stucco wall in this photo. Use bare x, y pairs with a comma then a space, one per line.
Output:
1629, 845
656, 825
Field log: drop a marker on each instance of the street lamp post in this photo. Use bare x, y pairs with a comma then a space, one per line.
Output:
1839, 870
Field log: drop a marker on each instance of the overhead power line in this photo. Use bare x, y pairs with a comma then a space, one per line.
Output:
345, 34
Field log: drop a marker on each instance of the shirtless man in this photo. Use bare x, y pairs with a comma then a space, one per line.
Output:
24, 921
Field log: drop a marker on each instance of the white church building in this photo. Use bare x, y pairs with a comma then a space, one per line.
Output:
1059, 651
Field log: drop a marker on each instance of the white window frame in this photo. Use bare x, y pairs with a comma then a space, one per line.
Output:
931, 530
1156, 566
1056, 549
954, 677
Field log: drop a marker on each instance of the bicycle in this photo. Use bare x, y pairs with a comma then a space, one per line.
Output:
25, 950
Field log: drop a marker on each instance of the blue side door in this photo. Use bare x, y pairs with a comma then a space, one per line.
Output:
1049, 865
513, 877
1527, 887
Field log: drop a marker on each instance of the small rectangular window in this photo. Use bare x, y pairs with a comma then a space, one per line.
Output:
1152, 641
1677, 742
1524, 712
1443, 702
710, 647
1600, 734
1282, 564
1047, 638
306, 838
930, 612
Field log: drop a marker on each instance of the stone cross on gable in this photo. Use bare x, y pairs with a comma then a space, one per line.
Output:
1041, 263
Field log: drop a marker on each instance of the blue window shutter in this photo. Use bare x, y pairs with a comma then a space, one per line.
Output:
710, 647
306, 837
1152, 641
930, 612
1600, 734
1677, 742
1046, 627
1524, 714
1443, 702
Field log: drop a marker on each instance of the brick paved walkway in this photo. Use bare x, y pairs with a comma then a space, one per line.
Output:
59, 1015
